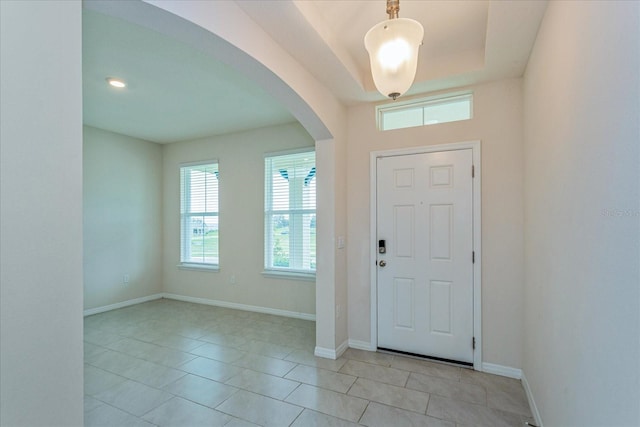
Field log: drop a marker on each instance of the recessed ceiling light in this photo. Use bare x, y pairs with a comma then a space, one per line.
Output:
116, 82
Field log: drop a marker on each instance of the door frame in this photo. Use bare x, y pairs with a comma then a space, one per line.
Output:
477, 233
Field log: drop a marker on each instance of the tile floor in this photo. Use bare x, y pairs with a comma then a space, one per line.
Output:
171, 363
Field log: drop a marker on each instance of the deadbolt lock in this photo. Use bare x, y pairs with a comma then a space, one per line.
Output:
382, 263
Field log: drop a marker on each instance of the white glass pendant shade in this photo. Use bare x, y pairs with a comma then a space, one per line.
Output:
393, 53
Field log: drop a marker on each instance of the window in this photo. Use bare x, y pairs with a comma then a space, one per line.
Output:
199, 245
290, 213
425, 112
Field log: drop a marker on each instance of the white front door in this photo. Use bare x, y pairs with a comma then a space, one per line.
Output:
425, 271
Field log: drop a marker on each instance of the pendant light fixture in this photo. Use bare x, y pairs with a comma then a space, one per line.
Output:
393, 51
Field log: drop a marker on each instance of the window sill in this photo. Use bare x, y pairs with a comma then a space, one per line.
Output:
199, 267
290, 275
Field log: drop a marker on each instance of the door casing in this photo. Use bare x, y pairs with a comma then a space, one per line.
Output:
477, 232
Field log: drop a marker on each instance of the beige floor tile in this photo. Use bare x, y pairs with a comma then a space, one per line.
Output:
98, 337
306, 357
114, 362
490, 381
178, 342
218, 352
259, 409
97, 380
90, 403
510, 401
108, 416
471, 393
391, 395
309, 418
169, 357
328, 402
237, 422
201, 390
266, 349
368, 356
322, 378
211, 369
378, 373
152, 374
92, 350
151, 352
267, 385
427, 368
267, 365
378, 415
146, 333
469, 414
179, 412
227, 340
190, 331
133, 397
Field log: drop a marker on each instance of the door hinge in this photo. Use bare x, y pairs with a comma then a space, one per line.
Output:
473, 171
473, 343
473, 257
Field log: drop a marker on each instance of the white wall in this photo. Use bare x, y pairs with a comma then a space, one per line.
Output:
581, 109
40, 214
122, 227
497, 123
241, 165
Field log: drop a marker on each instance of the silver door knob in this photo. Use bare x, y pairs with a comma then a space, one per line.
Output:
382, 263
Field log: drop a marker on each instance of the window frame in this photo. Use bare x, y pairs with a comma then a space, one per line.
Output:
422, 103
185, 222
269, 269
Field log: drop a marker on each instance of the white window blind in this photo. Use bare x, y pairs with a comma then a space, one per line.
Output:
199, 214
290, 212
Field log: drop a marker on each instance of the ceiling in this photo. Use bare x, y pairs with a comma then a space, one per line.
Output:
177, 93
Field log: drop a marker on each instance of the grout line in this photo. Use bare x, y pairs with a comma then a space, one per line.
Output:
287, 396
363, 412
297, 416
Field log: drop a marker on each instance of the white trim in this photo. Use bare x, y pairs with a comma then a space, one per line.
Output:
328, 353
325, 353
90, 311
238, 306
309, 149
212, 268
342, 348
290, 275
424, 99
199, 162
504, 371
477, 246
532, 403
361, 345
475, 147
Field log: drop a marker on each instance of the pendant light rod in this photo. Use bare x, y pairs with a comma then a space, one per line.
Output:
393, 8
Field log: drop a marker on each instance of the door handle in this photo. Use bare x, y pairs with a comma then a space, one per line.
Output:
382, 263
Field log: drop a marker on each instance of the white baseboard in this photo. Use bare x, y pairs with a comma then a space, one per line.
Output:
342, 348
505, 371
532, 402
361, 345
122, 304
328, 353
237, 306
